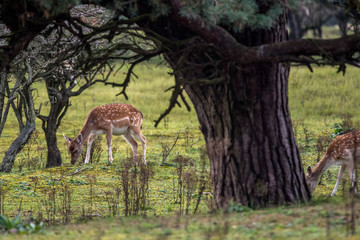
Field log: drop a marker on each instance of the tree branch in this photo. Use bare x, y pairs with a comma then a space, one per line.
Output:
335, 51
177, 91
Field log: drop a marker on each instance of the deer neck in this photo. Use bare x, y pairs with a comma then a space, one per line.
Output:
326, 162
85, 132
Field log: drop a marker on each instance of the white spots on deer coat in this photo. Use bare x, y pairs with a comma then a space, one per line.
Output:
345, 145
115, 113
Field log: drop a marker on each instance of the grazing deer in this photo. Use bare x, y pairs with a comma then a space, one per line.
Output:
111, 119
344, 150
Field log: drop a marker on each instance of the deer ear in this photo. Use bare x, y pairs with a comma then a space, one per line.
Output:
309, 170
67, 138
79, 138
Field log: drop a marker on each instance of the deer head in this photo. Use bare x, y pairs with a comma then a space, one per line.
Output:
310, 180
75, 147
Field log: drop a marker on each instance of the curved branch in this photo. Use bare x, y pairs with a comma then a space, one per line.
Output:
130, 72
178, 91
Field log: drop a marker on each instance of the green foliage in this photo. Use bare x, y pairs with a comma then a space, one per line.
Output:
160, 8
325, 221
237, 208
33, 227
17, 226
7, 224
235, 13
78, 182
54, 7
338, 130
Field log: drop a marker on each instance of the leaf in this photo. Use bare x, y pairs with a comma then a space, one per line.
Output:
16, 220
3, 221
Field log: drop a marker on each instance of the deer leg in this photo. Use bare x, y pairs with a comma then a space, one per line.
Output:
88, 148
133, 145
139, 136
352, 177
143, 142
109, 141
340, 174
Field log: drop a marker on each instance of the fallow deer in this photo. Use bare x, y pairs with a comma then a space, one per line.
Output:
344, 150
111, 119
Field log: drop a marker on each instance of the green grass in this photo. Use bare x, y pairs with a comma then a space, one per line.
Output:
327, 32
323, 95
317, 101
147, 94
326, 221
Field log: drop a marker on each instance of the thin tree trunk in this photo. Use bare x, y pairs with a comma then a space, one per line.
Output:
16, 146
3, 82
294, 25
49, 127
342, 22
26, 104
53, 155
59, 105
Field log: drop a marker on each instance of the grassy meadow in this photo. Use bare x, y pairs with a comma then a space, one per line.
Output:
76, 194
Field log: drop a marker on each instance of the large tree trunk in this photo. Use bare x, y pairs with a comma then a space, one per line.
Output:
242, 109
248, 131
249, 137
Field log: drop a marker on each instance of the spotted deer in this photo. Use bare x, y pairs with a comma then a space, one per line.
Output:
111, 119
344, 150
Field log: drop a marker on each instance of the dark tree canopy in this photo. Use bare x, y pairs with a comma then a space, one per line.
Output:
230, 57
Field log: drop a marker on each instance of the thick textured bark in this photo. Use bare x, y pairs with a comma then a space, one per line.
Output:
249, 137
246, 121
244, 116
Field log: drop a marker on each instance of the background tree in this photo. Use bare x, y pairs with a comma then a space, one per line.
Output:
72, 48
231, 58
81, 47
20, 24
62, 48
311, 15
20, 98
